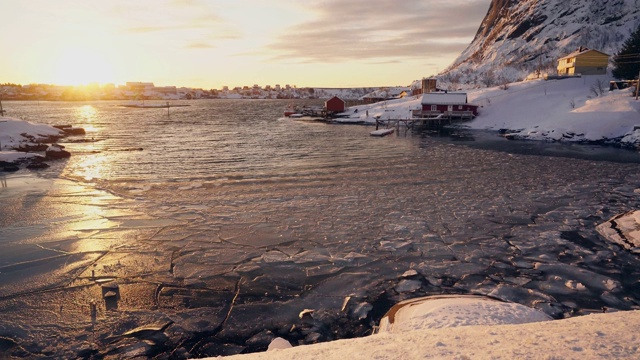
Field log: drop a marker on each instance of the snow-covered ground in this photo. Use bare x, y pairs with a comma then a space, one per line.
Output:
474, 329
16, 132
576, 109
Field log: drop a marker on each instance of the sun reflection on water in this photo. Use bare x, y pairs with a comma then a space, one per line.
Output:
92, 167
87, 113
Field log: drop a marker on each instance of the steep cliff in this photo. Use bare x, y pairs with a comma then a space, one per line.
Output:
517, 38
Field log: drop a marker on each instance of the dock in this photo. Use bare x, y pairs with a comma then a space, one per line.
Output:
426, 119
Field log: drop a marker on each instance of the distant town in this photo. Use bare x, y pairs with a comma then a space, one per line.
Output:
148, 91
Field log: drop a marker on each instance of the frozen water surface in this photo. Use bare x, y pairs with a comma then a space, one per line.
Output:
220, 225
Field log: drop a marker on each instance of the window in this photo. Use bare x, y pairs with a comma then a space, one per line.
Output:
434, 107
569, 61
450, 108
459, 107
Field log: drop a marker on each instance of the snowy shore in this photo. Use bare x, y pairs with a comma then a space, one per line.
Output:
16, 134
597, 336
578, 110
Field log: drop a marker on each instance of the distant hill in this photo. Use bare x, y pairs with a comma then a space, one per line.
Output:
519, 37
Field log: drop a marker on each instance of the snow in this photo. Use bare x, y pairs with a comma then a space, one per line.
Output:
566, 109
15, 132
440, 312
571, 110
482, 329
444, 98
15, 156
520, 37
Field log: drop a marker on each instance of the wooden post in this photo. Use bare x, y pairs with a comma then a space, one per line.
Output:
1, 109
637, 85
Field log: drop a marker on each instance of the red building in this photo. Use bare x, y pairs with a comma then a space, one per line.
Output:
335, 104
447, 103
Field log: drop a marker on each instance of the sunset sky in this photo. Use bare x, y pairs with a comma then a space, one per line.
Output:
212, 43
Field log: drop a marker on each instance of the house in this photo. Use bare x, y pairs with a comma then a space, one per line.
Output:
584, 61
335, 105
451, 104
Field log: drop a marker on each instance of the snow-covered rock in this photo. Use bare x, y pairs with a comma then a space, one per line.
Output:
19, 136
437, 312
16, 132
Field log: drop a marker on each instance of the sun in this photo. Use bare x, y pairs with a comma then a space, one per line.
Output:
81, 66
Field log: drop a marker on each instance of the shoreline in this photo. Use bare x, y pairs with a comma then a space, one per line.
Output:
597, 336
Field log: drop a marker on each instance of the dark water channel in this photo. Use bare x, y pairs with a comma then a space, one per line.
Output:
221, 224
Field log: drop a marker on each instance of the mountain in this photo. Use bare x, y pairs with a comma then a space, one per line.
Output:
520, 37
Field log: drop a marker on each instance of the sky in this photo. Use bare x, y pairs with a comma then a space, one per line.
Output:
216, 43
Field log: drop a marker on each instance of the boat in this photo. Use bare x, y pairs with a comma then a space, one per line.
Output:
382, 132
292, 110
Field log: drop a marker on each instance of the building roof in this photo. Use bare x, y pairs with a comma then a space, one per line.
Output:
581, 51
332, 99
441, 98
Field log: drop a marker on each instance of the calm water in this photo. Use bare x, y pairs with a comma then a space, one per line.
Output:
221, 222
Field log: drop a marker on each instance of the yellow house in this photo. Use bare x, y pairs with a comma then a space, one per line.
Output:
584, 61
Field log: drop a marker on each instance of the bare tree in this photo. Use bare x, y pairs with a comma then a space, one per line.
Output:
597, 88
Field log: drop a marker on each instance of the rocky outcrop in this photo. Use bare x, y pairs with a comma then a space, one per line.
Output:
517, 38
55, 152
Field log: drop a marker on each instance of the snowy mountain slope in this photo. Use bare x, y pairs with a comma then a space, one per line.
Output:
519, 37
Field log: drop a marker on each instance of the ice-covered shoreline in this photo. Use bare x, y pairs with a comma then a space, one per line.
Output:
597, 336
569, 286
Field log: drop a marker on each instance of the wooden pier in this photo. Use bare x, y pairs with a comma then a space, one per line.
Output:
426, 119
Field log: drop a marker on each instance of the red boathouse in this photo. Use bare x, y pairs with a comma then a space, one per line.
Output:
334, 105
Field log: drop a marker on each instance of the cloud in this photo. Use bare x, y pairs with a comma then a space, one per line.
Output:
381, 29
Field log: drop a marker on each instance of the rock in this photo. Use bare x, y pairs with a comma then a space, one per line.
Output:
409, 273
74, 131
32, 147
260, 340
11, 168
55, 152
278, 343
70, 130
362, 310
408, 286
37, 166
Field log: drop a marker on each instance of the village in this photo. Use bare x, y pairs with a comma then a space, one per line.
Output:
148, 91
434, 105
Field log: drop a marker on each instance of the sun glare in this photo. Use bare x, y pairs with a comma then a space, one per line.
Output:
78, 66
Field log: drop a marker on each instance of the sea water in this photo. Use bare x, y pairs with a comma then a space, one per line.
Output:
225, 225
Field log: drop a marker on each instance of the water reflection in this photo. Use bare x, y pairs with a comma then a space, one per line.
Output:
87, 113
91, 167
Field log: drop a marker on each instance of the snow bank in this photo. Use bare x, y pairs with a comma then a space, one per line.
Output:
16, 132
558, 110
437, 312
598, 336
16, 156
13, 131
